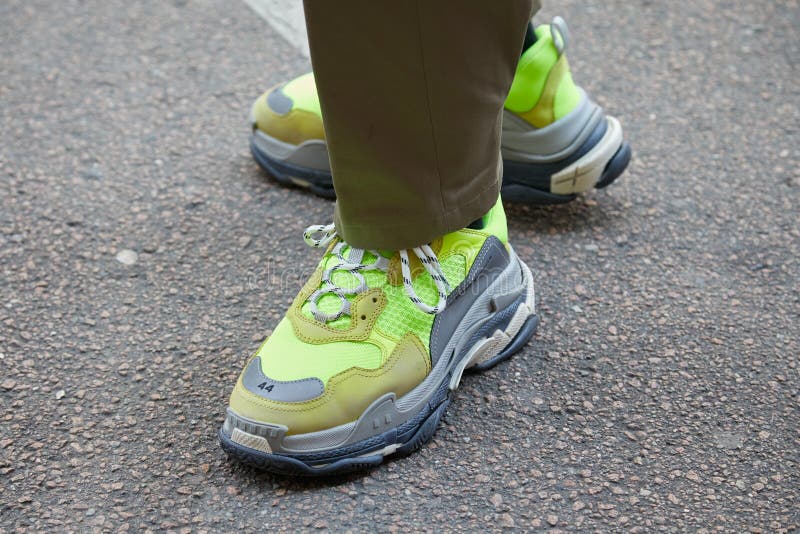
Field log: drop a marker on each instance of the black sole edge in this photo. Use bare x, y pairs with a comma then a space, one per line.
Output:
321, 183
318, 182
616, 166
280, 464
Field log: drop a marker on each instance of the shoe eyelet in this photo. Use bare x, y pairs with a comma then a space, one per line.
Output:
363, 317
374, 299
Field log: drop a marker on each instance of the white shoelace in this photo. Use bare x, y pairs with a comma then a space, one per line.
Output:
354, 265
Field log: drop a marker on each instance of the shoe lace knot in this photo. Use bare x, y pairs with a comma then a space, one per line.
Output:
354, 263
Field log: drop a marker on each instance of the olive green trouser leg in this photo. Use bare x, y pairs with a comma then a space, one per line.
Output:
412, 94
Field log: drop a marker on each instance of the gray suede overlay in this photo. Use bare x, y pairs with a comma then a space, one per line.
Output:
294, 391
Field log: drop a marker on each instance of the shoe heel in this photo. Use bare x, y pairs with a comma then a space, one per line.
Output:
616, 166
520, 340
587, 172
505, 340
520, 329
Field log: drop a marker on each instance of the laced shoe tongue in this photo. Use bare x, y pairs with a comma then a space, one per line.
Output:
357, 264
347, 271
347, 280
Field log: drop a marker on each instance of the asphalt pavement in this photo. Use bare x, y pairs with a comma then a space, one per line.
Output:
144, 255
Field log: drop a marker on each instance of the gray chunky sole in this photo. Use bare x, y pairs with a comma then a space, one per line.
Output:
391, 425
552, 165
294, 165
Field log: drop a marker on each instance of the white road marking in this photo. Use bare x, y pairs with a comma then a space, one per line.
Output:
286, 17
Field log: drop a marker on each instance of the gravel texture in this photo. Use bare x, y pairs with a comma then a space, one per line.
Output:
143, 255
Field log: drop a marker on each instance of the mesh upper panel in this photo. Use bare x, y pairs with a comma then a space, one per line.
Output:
402, 315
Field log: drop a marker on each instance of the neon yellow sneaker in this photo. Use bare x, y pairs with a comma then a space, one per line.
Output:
556, 141
362, 366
